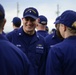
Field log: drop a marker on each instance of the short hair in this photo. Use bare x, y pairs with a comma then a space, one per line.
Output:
16, 21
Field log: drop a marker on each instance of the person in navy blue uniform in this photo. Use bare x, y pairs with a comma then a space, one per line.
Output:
41, 26
61, 59
54, 37
12, 60
31, 43
16, 22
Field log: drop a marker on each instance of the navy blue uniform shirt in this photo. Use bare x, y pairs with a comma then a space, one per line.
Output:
10, 34
33, 46
12, 60
43, 33
52, 39
61, 59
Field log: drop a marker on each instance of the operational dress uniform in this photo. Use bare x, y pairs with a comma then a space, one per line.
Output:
43, 33
41, 27
61, 59
10, 34
12, 60
62, 54
55, 36
52, 39
33, 46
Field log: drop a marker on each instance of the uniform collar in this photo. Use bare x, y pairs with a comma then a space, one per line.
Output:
21, 32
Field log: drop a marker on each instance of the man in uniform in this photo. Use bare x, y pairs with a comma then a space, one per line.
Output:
41, 26
16, 22
55, 36
12, 60
32, 44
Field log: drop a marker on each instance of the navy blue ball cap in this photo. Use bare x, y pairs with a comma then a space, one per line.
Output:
16, 21
57, 20
2, 12
43, 20
30, 12
68, 18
